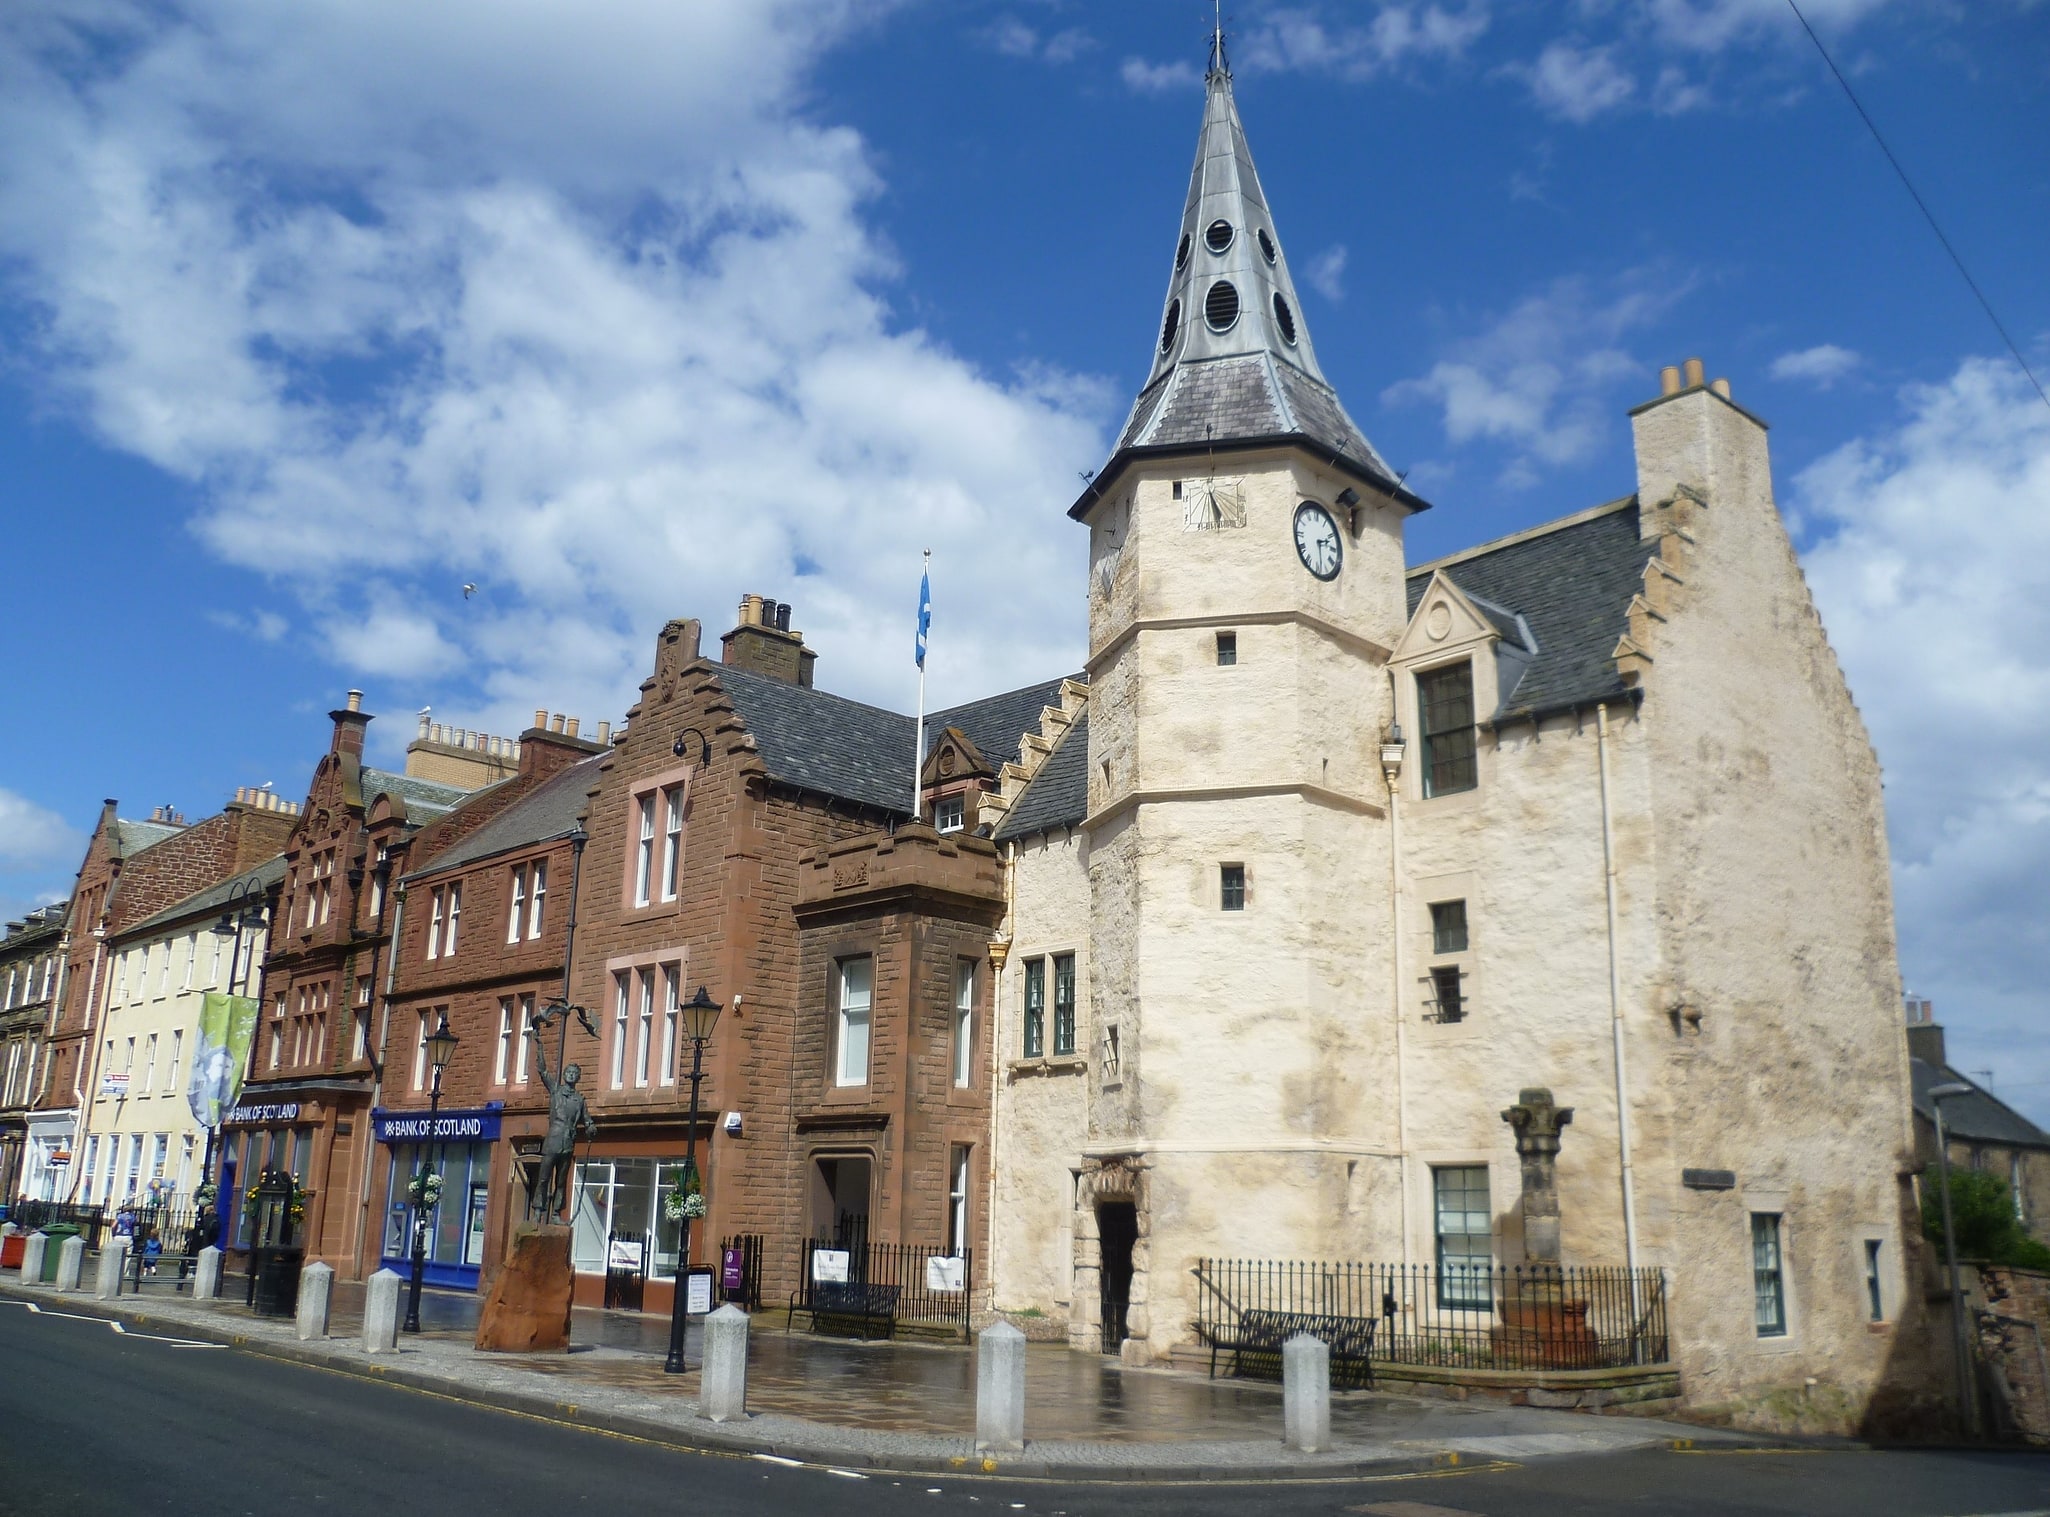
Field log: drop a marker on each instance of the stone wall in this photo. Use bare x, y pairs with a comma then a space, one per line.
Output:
2013, 1328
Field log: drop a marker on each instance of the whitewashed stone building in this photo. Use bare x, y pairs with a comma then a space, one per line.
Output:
1342, 853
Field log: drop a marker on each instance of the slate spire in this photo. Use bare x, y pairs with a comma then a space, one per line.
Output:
1233, 365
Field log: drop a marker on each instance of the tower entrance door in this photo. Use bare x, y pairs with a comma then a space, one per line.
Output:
1117, 1229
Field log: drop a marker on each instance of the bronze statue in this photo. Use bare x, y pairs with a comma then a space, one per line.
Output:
567, 1117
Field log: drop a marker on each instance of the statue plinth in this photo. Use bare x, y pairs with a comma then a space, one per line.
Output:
527, 1310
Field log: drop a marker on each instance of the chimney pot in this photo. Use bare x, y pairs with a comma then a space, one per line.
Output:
355, 700
555, 722
573, 726
783, 616
540, 718
1694, 373
1721, 387
1669, 379
604, 733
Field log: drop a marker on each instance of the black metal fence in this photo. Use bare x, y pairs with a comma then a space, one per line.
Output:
1476, 1317
740, 1270
35, 1216
164, 1245
892, 1283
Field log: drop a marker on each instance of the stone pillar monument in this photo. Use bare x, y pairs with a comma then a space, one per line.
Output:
1538, 1121
1541, 1328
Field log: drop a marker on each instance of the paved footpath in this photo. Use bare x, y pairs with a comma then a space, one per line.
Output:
896, 1407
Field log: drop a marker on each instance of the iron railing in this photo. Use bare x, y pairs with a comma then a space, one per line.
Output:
163, 1247
900, 1282
742, 1285
1476, 1317
33, 1216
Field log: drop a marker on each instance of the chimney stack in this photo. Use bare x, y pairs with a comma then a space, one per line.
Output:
349, 722
1925, 1036
762, 642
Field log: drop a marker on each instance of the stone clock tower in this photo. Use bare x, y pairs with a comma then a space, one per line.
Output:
1246, 586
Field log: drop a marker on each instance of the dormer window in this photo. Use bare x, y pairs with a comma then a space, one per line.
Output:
950, 814
1445, 712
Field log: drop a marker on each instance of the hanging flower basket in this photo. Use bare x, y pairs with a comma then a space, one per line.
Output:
424, 1189
678, 1205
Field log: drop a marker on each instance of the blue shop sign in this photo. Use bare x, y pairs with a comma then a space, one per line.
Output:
478, 1124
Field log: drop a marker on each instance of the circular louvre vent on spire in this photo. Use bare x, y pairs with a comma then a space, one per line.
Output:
1284, 318
1181, 254
1217, 236
1221, 305
1266, 245
1171, 326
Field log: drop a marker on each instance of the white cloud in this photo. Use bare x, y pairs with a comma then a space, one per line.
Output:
1577, 83
630, 331
1934, 580
1014, 39
1297, 40
1326, 272
1159, 78
1537, 382
35, 837
1821, 366
1713, 25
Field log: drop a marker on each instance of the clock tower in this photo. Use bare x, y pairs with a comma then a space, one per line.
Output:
1246, 587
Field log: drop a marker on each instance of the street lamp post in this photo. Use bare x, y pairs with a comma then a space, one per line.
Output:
1967, 1403
242, 910
441, 1043
700, 1015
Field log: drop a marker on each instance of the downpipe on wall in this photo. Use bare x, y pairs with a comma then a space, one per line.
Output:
1601, 746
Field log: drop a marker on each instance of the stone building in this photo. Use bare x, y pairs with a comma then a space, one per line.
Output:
31, 968
1980, 1131
1369, 847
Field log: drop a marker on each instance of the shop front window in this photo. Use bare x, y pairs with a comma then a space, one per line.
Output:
455, 1225
621, 1199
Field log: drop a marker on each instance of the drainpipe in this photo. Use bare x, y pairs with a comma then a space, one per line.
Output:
88, 1050
1391, 771
1009, 857
1601, 748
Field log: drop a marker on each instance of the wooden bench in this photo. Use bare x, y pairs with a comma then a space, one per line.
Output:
864, 1305
1350, 1340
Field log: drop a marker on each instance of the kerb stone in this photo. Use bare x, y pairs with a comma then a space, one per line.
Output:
381, 1313
1000, 1389
107, 1282
722, 1393
206, 1285
1306, 1394
32, 1252
70, 1263
316, 1289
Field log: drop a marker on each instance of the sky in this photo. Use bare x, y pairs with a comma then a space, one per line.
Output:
311, 316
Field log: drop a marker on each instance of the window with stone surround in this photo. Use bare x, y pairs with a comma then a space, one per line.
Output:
644, 848
622, 997
516, 918
501, 1064
537, 897
672, 841
672, 1004
436, 906
957, 1198
1445, 713
1063, 1003
1035, 1008
1448, 994
1875, 1289
1231, 887
1465, 1237
950, 814
522, 1041
855, 994
1768, 1276
964, 1023
644, 1024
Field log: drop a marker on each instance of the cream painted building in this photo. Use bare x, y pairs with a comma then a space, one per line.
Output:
1345, 853
139, 1123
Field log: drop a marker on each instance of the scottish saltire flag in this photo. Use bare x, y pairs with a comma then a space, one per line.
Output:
924, 614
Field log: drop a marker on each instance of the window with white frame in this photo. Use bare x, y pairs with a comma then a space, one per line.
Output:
964, 1023
191, 958
501, 1063
420, 1052
120, 976
1035, 1008
525, 1041
92, 1157
1768, 1276
160, 1156
622, 993
672, 992
644, 855
1465, 1226
1064, 1003
856, 985
164, 974
644, 1024
177, 1051
516, 918
537, 893
186, 1145
149, 1065
950, 814
957, 1199
455, 914
213, 975
436, 906
672, 841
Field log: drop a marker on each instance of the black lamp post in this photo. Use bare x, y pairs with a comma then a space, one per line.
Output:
700, 1016
242, 910
441, 1043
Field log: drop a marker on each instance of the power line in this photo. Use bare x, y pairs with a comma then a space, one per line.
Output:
1920, 204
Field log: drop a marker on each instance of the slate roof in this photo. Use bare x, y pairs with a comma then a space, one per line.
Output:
1571, 585
1059, 793
833, 746
136, 836
549, 810
1980, 1117
426, 800
214, 897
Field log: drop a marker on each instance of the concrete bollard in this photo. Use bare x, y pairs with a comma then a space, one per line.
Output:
722, 1387
381, 1313
206, 1282
32, 1255
70, 1263
316, 1289
1000, 1388
107, 1283
1306, 1394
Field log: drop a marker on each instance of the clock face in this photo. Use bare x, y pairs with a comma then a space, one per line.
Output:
1317, 542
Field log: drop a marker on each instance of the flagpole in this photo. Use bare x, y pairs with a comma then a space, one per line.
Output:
918, 748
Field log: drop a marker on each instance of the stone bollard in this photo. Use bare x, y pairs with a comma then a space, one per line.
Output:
1306, 1394
316, 1289
32, 1255
107, 1283
70, 1263
381, 1313
206, 1281
1000, 1388
722, 1387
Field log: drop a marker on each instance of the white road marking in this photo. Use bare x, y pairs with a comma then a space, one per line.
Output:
788, 1464
848, 1474
108, 1322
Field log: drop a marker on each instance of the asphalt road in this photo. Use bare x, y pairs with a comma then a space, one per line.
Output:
94, 1421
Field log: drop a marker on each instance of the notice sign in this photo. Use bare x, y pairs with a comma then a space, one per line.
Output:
944, 1274
829, 1266
624, 1254
112, 1084
700, 1299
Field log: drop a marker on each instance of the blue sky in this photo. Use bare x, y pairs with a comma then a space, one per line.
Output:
619, 313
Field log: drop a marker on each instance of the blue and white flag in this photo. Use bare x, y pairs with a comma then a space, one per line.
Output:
924, 614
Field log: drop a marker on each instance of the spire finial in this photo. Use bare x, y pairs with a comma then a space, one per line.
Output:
1219, 64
